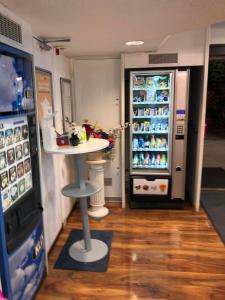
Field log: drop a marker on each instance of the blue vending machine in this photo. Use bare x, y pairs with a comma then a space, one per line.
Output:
22, 250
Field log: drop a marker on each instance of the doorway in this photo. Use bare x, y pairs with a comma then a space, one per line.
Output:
214, 157
213, 173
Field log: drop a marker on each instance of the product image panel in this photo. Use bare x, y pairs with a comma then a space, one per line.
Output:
15, 161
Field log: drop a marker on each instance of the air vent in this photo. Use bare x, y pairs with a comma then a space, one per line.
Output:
10, 29
165, 58
108, 182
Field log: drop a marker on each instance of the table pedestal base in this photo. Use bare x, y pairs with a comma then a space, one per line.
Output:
98, 250
98, 212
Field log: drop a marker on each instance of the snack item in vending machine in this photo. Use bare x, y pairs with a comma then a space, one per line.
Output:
141, 158
157, 125
150, 83
135, 112
139, 96
156, 81
165, 110
147, 143
152, 111
146, 126
138, 82
163, 159
153, 160
153, 125
162, 96
150, 95
135, 126
141, 142
163, 142
165, 95
153, 143
147, 111
135, 142
135, 159
158, 142
158, 159
140, 112
164, 125
141, 127
146, 159
159, 111
135, 99
143, 96
163, 81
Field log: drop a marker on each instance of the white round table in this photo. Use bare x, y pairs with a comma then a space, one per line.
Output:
86, 250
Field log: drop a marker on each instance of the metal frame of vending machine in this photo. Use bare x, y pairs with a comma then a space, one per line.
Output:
158, 137
22, 248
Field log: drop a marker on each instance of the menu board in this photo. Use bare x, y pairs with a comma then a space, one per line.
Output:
15, 161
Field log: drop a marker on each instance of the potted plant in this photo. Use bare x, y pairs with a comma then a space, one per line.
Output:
77, 134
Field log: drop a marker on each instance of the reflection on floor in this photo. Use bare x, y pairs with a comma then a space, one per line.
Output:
156, 254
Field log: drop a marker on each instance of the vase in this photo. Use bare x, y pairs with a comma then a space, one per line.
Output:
74, 140
88, 136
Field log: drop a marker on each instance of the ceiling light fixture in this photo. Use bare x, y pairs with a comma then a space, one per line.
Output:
134, 43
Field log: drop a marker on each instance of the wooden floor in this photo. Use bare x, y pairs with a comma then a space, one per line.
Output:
164, 254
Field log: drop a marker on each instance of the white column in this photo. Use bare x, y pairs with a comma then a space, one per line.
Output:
96, 175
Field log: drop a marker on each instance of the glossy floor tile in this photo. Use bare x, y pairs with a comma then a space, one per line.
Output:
156, 254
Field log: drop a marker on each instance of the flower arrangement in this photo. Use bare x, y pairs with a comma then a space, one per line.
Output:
79, 134
95, 131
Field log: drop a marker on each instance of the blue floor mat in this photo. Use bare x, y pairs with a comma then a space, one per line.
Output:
64, 261
214, 204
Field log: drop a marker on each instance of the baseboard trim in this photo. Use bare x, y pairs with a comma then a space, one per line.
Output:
113, 199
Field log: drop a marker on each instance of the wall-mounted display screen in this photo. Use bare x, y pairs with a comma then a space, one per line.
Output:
15, 161
16, 84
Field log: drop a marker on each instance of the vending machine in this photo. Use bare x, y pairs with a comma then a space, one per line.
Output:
158, 135
21, 228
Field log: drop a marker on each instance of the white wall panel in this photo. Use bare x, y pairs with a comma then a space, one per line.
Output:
56, 170
97, 93
26, 32
217, 34
189, 45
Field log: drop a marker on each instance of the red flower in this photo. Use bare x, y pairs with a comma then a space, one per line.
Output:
97, 136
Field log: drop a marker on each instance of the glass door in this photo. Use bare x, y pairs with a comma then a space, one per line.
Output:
151, 97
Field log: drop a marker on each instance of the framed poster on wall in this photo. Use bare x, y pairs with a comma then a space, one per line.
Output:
44, 91
66, 98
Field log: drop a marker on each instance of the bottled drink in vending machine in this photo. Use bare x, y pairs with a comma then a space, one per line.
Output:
141, 158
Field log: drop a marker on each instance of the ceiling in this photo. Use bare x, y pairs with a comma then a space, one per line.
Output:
101, 27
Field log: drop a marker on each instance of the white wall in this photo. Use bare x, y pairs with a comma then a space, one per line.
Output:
189, 45
26, 32
217, 33
97, 94
56, 171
